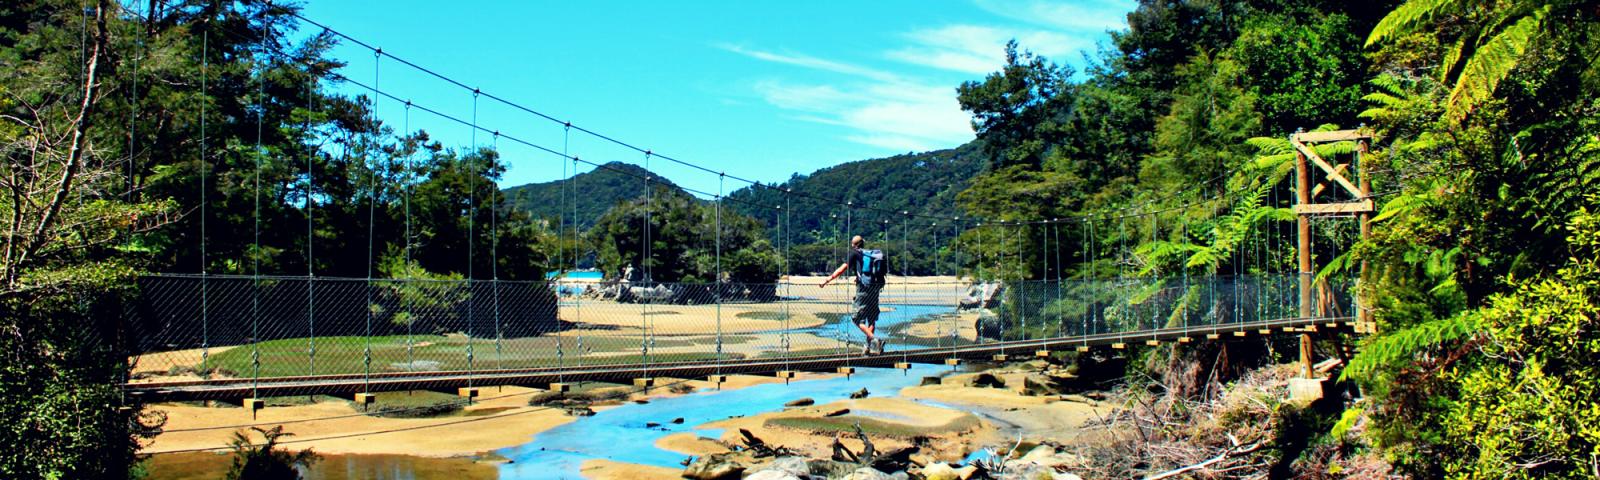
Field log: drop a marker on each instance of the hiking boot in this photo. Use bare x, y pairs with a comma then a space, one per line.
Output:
866, 349
878, 345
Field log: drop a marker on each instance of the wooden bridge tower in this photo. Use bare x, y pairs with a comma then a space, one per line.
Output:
1332, 176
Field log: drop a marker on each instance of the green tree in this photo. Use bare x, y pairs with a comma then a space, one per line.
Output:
266, 461
682, 241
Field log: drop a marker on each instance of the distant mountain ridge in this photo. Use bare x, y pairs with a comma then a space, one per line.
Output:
596, 191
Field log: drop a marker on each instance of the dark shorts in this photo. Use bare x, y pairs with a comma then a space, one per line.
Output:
865, 306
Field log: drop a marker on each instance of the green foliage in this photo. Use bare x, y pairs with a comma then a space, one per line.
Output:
589, 193
265, 461
815, 229
683, 242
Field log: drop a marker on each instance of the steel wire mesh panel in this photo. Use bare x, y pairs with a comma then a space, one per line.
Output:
265, 328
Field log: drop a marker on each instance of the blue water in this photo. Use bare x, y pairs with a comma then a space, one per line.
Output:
578, 275
887, 322
619, 433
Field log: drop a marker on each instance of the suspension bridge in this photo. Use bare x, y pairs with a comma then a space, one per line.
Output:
204, 336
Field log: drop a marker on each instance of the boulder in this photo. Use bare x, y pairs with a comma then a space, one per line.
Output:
795, 466
717, 466
835, 413
1027, 471
987, 380
800, 402
940, 471
867, 473
772, 475
831, 468
859, 394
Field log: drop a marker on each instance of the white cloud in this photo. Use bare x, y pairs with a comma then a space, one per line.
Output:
883, 110
979, 49
901, 111
1083, 16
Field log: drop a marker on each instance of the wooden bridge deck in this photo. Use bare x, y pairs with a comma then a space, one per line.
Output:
348, 384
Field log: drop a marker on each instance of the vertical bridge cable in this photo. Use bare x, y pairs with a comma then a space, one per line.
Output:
411, 181
494, 253
717, 285
372, 207
255, 252
1086, 273
311, 266
472, 240
1061, 328
645, 268
1155, 277
955, 257
561, 352
205, 323
905, 284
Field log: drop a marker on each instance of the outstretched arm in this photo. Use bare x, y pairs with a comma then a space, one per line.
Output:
836, 273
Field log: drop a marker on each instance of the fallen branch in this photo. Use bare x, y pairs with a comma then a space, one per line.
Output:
1226, 454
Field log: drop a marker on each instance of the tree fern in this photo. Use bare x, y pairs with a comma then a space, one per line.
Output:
1409, 16
1492, 62
1393, 347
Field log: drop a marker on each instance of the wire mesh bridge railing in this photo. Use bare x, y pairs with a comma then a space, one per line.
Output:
232, 336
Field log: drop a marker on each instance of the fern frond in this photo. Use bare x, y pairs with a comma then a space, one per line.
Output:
1408, 16
1399, 345
1491, 63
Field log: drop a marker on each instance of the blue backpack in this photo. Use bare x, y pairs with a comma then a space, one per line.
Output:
873, 269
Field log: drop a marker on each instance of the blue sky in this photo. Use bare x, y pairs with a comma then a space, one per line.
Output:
760, 90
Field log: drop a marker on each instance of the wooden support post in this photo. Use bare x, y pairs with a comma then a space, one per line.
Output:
1185, 339
847, 371
786, 374
253, 404
902, 365
999, 357
365, 399
1152, 342
467, 392
1241, 333
717, 379
954, 362
1303, 221
1041, 353
560, 387
1305, 356
1083, 349
645, 382
1119, 346
1363, 307
1213, 336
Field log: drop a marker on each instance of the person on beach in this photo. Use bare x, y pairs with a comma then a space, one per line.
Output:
871, 272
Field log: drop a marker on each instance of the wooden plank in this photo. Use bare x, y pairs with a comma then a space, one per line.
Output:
1333, 136
1327, 168
1342, 168
1362, 206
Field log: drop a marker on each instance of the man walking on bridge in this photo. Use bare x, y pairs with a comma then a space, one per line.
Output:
871, 272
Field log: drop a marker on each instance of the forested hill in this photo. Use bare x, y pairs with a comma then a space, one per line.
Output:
920, 183
597, 191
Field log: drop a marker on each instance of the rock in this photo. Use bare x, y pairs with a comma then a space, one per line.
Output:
866, 473
1035, 384
717, 466
926, 381
1027, 471
987, 380
641, 401
772, 475
941, 471
795, 466
651, 424
580, 411
835, 413
800, 402
860, 394
830, 468
1040, 454
677, 421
